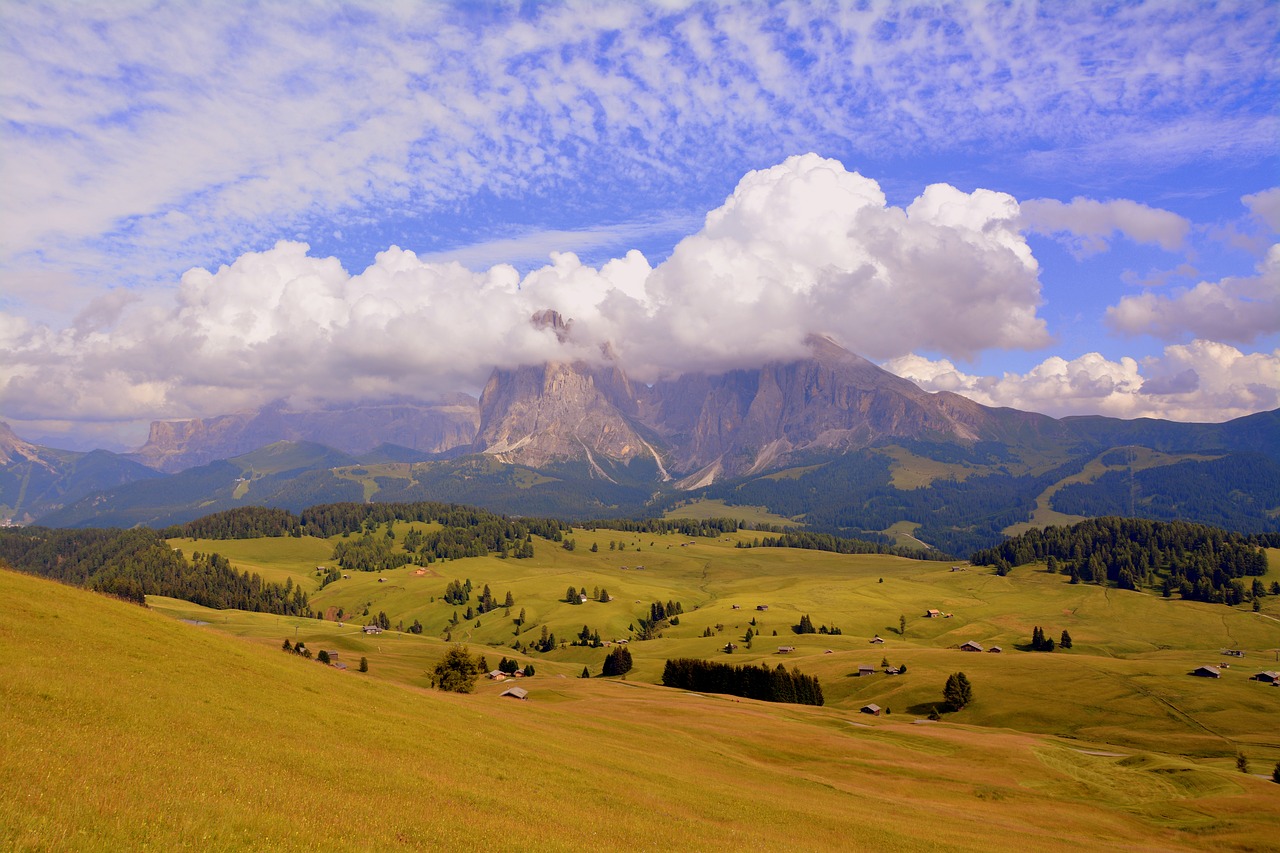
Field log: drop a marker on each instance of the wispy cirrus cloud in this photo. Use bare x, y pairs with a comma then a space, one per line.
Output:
141, 139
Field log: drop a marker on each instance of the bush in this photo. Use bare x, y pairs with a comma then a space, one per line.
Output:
458, 671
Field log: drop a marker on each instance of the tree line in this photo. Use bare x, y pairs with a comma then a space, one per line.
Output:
135, 563
838, 545
1199, 562
710, 527
750, 682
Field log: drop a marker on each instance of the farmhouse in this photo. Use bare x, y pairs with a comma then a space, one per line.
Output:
1207, 672
893, 670
971, 646
373, 629
995, 650
1233, 653
866, 670
877, 639
872, 709
762, 607
932, 614
786, 650
1270, 676
516, 693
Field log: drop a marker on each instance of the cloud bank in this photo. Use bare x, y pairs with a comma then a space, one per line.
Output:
806, 246
802, 247
1199, 381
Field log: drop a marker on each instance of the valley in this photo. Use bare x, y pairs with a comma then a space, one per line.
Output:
1110, 743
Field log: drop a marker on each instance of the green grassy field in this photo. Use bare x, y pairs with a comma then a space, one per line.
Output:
123, 728
708, 508
1125, 682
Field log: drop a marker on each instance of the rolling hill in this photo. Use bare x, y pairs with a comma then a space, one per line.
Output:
278, 753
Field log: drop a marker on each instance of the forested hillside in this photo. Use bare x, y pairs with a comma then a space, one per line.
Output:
136, 563
1196, 561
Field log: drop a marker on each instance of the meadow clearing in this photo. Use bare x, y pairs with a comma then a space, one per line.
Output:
131, 728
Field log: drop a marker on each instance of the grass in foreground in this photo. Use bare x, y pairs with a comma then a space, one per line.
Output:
123, 729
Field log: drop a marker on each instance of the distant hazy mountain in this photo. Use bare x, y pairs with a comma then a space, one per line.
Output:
35, 480
706, 427
829, 440
429, 428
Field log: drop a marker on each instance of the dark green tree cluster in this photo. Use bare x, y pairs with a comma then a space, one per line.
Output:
1039, 642
335, 519
806, 627
660, 616
546, 641
659, 611
837, 545
457, 592
330, 575
1198, 562
300, 649
370, 553
135, 563
458, 671
588, 637
617, 662
246, 522
751, 682
957, 692
707, 527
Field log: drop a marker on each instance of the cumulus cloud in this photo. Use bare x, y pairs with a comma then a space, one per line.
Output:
1265, 206
1200, 381
1087, 225
806, 246
1235, 309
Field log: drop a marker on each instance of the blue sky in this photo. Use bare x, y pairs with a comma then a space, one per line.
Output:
1060, 207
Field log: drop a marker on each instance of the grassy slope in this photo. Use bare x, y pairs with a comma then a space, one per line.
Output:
122, 729
1123, 683
709, 508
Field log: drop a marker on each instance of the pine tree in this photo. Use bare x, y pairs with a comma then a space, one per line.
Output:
364, 664
586, 673
957, 692
1065, 642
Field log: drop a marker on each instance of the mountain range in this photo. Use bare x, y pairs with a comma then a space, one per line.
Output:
831, 441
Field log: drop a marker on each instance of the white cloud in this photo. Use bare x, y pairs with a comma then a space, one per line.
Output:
1265, 206
142, 139
808, 246
1238, 309
1087, 225
1200, 381
803, 247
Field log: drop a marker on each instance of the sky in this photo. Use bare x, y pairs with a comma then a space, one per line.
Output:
206, 207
